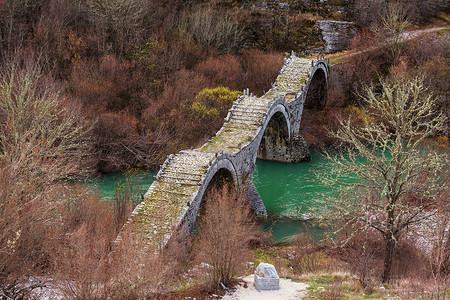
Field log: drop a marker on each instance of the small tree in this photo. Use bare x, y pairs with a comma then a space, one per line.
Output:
393, 25
209, 108
42, 142
225, 231
398, 177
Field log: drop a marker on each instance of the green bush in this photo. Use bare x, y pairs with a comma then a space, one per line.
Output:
211, 105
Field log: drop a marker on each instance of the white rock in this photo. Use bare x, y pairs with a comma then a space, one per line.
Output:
266, 277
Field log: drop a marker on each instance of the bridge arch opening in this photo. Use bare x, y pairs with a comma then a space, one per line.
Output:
222, 179
274, 143
317, 91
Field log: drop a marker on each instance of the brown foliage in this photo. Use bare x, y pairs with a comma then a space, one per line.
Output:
367, 13
167, 111
308, 255
101, 86
225, 232
260, 70
364, 254
224, 70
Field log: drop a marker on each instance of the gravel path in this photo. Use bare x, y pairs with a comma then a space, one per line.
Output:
406, 36
289, 290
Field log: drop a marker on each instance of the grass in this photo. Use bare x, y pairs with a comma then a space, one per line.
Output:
342, 286
443, 31
263, 255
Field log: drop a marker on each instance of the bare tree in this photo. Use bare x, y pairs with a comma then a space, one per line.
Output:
118, 23
41, 142
210, 28
40, 137
392, 29
225, 233
398, 178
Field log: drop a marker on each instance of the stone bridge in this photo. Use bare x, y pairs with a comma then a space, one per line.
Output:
266, 127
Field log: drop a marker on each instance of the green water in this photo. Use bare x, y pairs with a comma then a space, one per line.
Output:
106, 184
287, 190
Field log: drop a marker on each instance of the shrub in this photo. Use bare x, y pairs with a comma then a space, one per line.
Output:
211, 105
308, 256
169, 112
260, 70
224, 70
215, 29
100, 85
225, 230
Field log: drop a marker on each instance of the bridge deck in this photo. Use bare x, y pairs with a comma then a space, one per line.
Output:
246, 119
182, 175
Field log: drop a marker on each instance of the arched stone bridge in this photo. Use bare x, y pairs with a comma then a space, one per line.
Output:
265, 127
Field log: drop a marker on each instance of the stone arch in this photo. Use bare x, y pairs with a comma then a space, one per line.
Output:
275, 141
317, 87
222, 166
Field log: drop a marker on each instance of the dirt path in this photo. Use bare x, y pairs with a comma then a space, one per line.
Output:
289, 290
407, 36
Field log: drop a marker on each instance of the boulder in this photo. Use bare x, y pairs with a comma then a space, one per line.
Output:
266, 278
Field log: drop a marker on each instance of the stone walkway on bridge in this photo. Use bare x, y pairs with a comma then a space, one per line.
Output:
250, 111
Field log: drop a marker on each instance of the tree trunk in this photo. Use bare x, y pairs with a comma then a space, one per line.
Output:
390, 247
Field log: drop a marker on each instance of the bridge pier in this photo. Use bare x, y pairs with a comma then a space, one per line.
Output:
255, 201
299, 150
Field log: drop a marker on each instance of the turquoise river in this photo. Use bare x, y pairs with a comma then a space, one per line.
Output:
287, 190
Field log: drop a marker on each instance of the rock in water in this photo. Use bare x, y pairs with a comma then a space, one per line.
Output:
266, 278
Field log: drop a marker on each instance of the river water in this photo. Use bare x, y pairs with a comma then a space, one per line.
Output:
287, 190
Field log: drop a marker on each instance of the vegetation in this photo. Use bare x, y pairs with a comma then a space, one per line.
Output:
225, 233
400, 180
107, 85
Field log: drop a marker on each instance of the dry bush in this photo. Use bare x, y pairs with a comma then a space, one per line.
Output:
117, 24
81, 262
17, 22
365, 67
122, 140
260, 70
120, 143
429, 57
23, 230
410, 262
428, 47
100, 86
89, 266
308, 256
340, 82
367, 13
211, 28
224, 70
137, 272
225, 231
334, 291
362, 255
43, 134
421, 12
43, 140
168, 112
